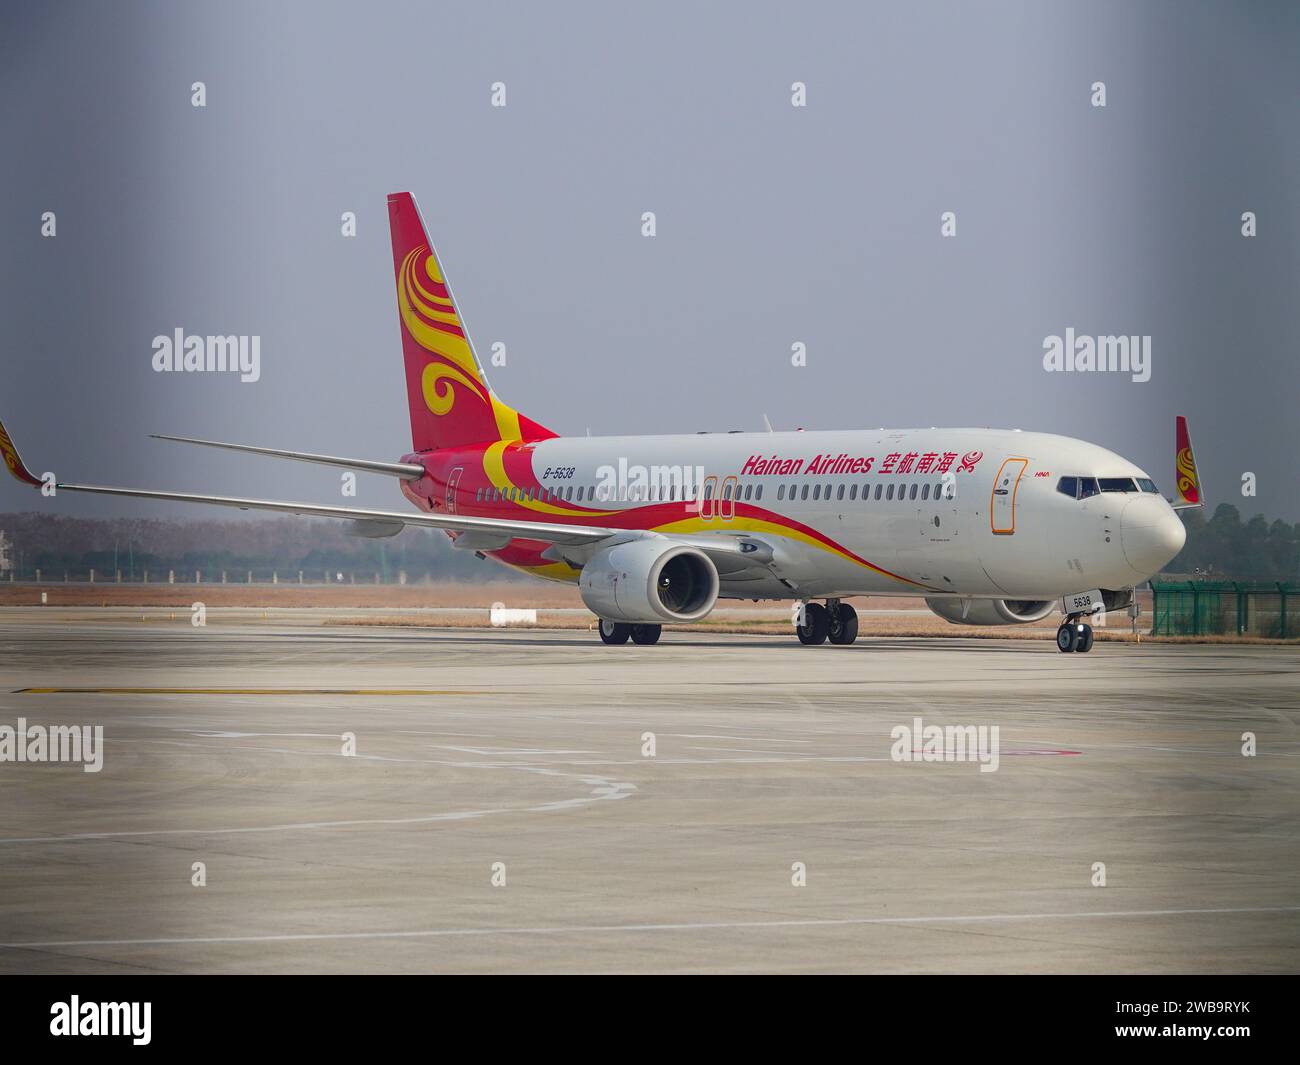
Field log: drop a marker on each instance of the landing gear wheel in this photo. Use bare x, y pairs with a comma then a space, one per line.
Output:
843, 625
614, 631
646, 634
1085, 640
816, 625
1067, 638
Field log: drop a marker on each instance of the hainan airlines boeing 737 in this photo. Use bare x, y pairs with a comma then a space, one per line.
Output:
991, 527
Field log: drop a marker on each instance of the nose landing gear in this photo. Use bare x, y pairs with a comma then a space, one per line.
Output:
1074, 635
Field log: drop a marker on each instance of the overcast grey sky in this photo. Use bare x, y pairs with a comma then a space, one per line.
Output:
775, 224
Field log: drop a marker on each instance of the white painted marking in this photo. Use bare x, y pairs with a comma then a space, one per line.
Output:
686, 926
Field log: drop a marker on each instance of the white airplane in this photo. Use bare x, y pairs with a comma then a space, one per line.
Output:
990, 526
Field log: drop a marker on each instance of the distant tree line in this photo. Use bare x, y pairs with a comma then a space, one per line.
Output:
1220, 547
1224, 547
56, 544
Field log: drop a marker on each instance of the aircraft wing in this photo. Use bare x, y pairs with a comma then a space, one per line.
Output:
547, 531
406, 470
369, 522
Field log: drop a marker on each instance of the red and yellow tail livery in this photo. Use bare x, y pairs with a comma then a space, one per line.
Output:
450, 400
1186, 475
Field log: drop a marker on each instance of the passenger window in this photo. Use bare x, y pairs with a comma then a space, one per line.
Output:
817, 491
853, 491
828, 491
839, 493
726, 491
758, 492
708, 491
925, 491
912, 493
879, 488
890, 494
804, 493
780, 491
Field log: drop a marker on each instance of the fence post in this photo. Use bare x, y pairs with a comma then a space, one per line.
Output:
1281, 591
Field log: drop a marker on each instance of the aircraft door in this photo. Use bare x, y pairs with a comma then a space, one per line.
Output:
1002, 504
453, 481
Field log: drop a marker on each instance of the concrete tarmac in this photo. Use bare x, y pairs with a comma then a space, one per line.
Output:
521, 757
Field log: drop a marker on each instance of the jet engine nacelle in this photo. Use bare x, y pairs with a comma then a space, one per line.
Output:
991, 611
648, 582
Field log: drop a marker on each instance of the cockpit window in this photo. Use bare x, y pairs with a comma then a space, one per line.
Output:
1117, 484
1078, 487
1148, 485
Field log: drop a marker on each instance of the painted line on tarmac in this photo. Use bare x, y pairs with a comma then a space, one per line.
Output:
244, 691
691, 926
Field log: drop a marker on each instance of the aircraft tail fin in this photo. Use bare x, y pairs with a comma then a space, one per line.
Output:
9, 452
1186, 475
450, 400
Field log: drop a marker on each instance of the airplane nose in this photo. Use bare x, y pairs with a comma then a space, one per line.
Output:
1151, 534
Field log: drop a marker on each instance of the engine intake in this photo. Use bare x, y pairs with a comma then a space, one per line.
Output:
648, 582
991, 611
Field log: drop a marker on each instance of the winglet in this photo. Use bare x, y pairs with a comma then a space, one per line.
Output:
14, 461
1185, 472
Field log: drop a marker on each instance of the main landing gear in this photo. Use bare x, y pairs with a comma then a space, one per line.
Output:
836, 621
619, 632
1074, 635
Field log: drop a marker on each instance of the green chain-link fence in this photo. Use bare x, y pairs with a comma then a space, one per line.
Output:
1225, 608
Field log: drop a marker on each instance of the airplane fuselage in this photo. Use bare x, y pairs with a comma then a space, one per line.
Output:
968, 512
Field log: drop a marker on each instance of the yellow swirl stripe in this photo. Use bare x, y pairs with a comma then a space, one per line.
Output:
507, 419
440, 399
495, 469
434, 314
447, 345
442, 302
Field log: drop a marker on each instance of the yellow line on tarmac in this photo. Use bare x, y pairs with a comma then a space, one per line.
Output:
241, 691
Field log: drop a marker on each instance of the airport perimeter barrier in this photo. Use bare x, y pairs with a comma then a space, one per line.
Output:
1225, 608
